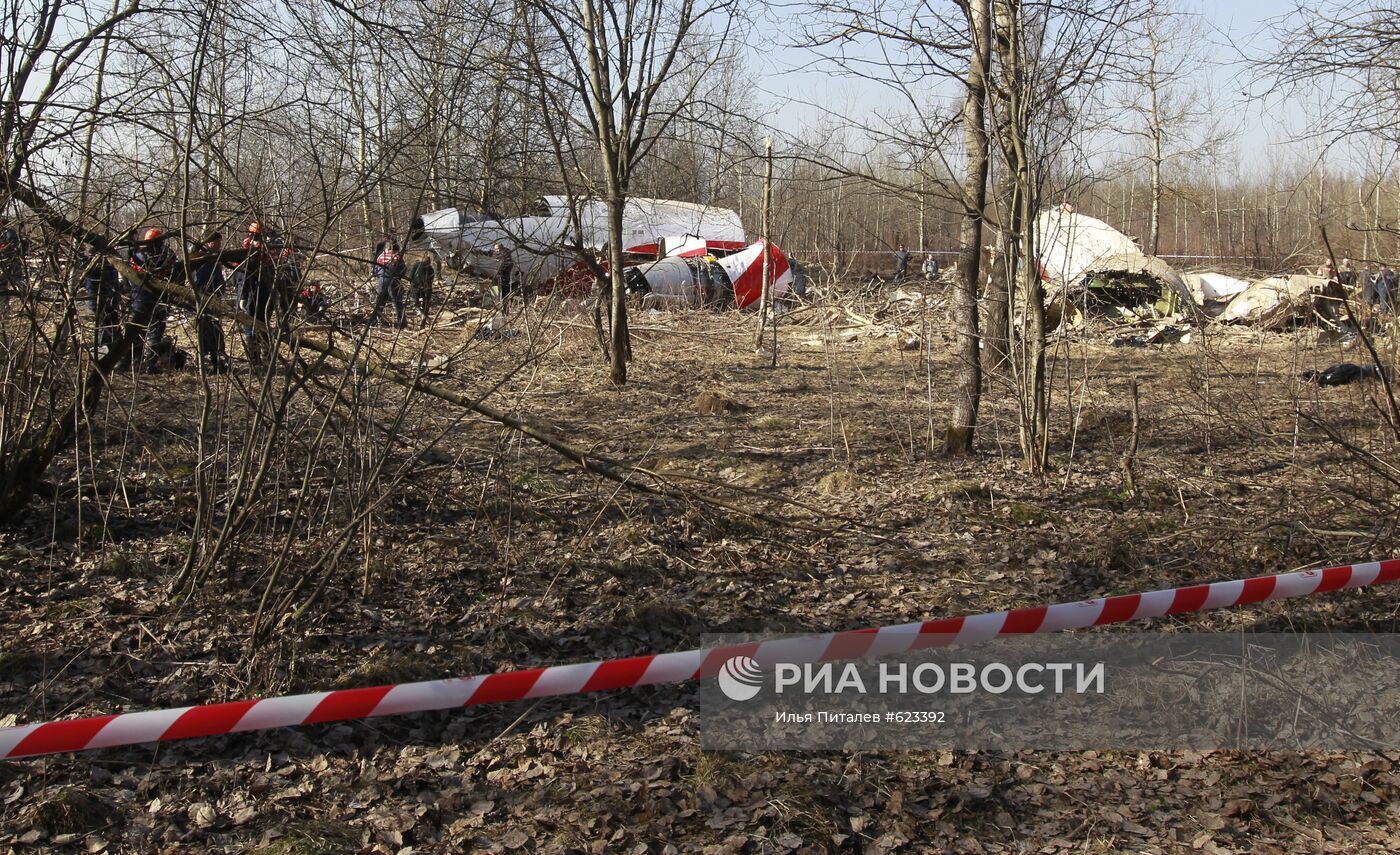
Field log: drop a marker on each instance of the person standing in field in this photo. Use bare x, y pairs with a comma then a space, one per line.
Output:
104, 298
207, 280
420, 284
389, 269
901, 263
154, 260
255, 279
1385, 288
505, 270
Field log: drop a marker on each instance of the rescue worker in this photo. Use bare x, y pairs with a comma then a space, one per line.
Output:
505, 269
1346, 276
154, 259
12, 272
256, 282
1336, 292
104, 298
901, 264
1385, 288
420, 284
389, 270
207, 280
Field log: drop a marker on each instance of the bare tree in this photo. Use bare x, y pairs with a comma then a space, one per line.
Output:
609, 65
963, 421
1049, 56
1173, 117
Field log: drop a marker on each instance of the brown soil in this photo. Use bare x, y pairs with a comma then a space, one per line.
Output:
498, 555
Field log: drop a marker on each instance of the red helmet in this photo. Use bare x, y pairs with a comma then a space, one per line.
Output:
154, 233
255, 228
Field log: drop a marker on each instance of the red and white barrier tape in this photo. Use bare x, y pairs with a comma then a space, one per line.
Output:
109, 731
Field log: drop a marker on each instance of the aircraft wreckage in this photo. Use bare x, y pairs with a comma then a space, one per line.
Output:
1082, 258
680, 253
1077, 250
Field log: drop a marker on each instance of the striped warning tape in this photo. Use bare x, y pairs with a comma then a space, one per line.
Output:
108, 731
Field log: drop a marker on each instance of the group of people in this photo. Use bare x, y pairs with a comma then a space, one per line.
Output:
1376, 289
902, 256
392, 271
267, 283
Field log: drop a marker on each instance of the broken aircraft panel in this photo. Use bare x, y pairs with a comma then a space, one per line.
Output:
1209, 286
1276, 301
690, 280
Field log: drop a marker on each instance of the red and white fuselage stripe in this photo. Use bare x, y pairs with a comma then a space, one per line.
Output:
239, 716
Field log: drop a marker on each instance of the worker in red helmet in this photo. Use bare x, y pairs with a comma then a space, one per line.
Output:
255, 280
155, 261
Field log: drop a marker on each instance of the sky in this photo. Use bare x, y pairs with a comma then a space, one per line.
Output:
1265, 127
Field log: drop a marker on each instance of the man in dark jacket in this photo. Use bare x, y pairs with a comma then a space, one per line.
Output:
505, 270
256, 281
1385, 288
104, 298
420, 284
389, 270
153, 258
207, 280
12, 272
901, 264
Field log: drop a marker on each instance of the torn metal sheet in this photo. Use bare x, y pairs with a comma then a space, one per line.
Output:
745, 271
693, 246
676, 282
646, 223
1208, 285
1275, 301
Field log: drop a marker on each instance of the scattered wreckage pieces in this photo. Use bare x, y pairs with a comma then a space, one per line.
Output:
1345, 373
544, 243
905, 315
1162, 335
1212, 287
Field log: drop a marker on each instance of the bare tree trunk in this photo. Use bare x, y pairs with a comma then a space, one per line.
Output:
1155, 216
963, 422
1036, 427
923, 204
621, 349
765, 299
996, 338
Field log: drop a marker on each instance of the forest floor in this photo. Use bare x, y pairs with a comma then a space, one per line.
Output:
500, 555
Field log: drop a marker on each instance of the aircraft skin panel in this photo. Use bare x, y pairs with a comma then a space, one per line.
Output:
745, 271
540, 244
